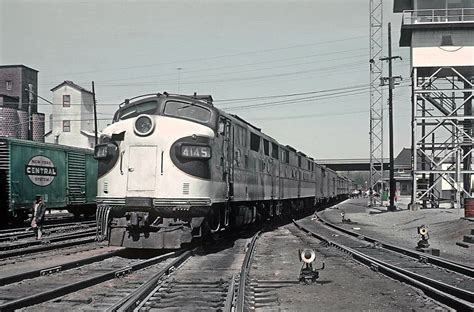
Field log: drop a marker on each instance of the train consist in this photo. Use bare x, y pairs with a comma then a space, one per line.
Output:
66, 178
174, 167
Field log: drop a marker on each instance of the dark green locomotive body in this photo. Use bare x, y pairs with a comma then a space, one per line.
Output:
65, 176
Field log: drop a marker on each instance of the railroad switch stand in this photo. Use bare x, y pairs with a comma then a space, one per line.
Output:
308, 274
423, 242
344, 220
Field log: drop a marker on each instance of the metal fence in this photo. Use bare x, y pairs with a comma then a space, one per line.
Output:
462, 15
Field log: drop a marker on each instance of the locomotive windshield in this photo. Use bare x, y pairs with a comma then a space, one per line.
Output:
149, 107
187, 111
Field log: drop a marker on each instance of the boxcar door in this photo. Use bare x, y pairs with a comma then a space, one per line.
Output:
76, 178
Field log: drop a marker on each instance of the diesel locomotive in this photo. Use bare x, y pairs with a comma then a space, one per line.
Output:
175, 167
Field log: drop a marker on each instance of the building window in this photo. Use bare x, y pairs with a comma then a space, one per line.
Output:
66, 100
9, 84
66, 126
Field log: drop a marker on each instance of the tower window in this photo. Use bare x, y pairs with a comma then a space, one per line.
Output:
9, 84
66, 100
66, 126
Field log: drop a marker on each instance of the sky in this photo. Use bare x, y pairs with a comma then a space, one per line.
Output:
246, 54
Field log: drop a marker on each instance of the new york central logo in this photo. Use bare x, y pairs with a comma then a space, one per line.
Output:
41, 170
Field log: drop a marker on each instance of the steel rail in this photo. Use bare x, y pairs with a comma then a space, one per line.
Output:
132, 300
55, 239
46, 226
446, 264
66, 289
12, 236
442, 292
56, 269
229, 299
46, 247
240, 298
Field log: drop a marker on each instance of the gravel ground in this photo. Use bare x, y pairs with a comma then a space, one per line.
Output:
344, 285
445, 226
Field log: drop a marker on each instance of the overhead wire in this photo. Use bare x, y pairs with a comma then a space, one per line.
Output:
290, 94
213, 57
236, 78
207, 69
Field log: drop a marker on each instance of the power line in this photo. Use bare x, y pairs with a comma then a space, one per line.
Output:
207, 69
212, 57
346, 92
240, 79
323, 70
292, 94
304, 100
317, 115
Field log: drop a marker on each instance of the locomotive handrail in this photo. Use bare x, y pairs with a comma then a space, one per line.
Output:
121, 162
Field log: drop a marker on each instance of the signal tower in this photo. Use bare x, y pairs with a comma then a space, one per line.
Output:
440, 35
376, 100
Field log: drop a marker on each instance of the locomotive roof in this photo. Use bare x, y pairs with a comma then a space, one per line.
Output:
246, 122
202, 99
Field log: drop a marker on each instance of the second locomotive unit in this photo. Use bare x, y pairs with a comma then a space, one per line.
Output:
174, 167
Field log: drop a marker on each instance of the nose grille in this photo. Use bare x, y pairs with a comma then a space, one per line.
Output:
185, 188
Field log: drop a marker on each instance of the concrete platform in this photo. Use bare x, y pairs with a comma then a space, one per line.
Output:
446, 227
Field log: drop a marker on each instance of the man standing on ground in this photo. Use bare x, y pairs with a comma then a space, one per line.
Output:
37, 221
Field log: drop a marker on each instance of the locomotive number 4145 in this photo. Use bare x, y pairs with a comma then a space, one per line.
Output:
196, 151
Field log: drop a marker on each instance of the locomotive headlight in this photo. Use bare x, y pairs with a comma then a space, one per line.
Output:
100, 151
103, 151
144, 125
195, 151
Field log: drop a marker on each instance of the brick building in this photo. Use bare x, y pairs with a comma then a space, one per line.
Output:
16, 82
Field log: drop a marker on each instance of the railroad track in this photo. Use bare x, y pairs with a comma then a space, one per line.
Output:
242, 302
21, 233
50, 220
205, 281
445, 281
54, 282
60, 241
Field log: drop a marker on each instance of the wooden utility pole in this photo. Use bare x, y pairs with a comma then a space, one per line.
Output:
391, 85
95, 113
